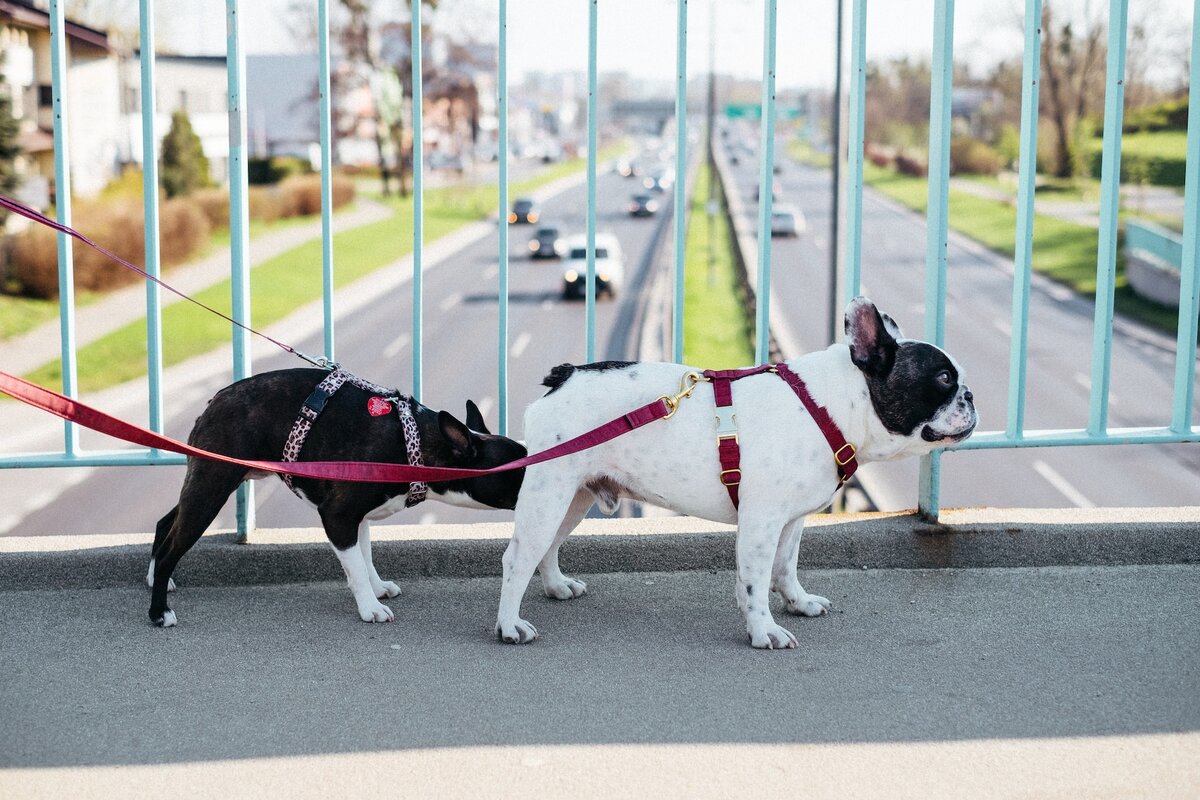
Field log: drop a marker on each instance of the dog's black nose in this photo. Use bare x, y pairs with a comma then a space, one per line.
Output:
970, 398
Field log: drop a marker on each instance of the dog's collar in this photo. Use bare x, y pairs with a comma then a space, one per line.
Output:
315, 404
728, 451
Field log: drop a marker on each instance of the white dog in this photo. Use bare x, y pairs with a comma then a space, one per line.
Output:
889, 396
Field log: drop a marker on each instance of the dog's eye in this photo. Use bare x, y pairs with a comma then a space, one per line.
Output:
945, 378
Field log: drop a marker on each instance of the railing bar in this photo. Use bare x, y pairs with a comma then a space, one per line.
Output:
151, 221
766, 180
1189, 270
680, 176
995, 440
856, 155
937, 217
239, 234
502, 107
1023, 263
323, 90
590, 288
1110, 201
62, 210
418, 164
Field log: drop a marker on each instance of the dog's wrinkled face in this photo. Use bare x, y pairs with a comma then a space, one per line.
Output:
471, 446
916, 388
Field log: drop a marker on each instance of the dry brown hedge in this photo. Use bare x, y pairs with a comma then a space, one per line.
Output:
117, 226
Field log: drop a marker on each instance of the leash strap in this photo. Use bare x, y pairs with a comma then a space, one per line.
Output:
361, 471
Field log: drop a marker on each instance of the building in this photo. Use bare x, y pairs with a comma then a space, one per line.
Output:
91, 99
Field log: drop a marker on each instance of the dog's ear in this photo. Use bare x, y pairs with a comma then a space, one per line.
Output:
892, 326
457, 435
872, 344
475, 419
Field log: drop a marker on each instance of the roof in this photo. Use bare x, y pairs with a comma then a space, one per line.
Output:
24, 13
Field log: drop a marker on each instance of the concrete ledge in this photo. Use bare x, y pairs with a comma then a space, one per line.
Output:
964, 538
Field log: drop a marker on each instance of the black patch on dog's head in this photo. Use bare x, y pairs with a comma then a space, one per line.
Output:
475, 419
460, 446
560, 374
909, 381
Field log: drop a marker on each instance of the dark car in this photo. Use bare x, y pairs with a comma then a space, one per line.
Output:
642, 205
547, 243
524, 212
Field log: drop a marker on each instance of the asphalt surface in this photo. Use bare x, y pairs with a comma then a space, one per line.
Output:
978, 334
1039, 682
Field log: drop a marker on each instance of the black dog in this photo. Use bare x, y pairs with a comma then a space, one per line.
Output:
254, 418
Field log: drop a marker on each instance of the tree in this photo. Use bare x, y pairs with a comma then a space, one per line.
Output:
183, 167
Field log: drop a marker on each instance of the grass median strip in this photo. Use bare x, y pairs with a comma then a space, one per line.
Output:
286, 282
714, 321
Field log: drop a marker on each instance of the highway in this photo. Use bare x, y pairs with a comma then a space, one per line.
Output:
978, 323
460, 361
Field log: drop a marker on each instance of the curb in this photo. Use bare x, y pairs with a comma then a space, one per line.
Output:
972, 538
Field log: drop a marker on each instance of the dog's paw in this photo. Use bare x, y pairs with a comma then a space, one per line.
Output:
375, 613
809, 605
520, 632
773, 637
566, 589
386, 589
166, 620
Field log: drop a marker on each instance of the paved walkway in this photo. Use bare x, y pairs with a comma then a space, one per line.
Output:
1156, 200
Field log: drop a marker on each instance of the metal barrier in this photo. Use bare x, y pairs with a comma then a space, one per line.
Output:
1181, 428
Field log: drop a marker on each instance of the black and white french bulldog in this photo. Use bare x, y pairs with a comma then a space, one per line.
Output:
252, 419
891, 397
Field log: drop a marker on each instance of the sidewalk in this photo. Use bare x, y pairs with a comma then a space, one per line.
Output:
1026, 680
1157, 200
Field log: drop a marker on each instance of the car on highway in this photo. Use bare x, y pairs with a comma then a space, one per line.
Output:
524, 212
775, 191
787, 221
642, 205
659, 180
547, 242
610, 266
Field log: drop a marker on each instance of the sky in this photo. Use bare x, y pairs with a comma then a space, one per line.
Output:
638, 36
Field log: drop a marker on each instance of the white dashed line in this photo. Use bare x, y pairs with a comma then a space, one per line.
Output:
1062, 485
451, 301
491, 271
427, 519
518, 347
1003, 326
398, 344
485, 406
547, 304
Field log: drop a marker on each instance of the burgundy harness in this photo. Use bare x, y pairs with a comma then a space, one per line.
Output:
728, 450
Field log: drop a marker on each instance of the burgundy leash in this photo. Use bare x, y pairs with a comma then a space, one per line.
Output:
362, 471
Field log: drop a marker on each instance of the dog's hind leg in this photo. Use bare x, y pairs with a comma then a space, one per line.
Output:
541, 510
206, 486
554, 583
382, 588
343, 535
783, 575
160, 533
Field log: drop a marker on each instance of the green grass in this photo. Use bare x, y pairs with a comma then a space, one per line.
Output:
289, 280
804, 152
1063, 251
715, 326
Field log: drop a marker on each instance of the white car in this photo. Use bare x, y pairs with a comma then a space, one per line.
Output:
787, 221
610, 266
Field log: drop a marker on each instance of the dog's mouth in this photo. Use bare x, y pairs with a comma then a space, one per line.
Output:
938, 437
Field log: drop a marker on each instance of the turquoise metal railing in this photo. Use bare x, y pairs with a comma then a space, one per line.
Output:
1014, 434
1155, 240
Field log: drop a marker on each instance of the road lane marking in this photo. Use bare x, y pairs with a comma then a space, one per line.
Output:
518, 347
427, 519
1003, 326
451, 301
547, 304
491, 271
485, 406
1086, 382
1063, 486
398, 344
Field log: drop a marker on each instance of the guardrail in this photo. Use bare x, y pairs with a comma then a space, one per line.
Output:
1015, 434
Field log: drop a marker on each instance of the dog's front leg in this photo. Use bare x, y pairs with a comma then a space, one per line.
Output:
381, 588
757, 537
343, 535
784, 579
